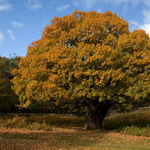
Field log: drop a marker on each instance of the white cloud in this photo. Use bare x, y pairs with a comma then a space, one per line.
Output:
134, 23
10, 32
146, 14
75, 2
146, 11
1, 38
4, 5
146, 2
63, 8
36, 6
146, 28
89, 3
29, 2
99, 10
17, 24
33, 4
66, 6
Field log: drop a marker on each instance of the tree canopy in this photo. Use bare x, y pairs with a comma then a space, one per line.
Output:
86, 58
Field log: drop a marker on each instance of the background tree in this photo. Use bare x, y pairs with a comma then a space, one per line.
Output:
90, 59
8, 98
10, 63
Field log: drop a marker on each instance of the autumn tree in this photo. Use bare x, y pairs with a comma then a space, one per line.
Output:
86, 59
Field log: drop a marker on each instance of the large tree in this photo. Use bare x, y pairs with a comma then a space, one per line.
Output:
86, 59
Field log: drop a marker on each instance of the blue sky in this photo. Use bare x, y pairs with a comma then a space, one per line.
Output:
22, 21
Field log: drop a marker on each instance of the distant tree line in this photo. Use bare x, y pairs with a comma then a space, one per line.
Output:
8, 98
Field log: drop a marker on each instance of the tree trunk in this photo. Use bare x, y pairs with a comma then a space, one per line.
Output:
95, 114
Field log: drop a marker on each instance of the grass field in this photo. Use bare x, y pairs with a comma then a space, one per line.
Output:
65, 133
70, 138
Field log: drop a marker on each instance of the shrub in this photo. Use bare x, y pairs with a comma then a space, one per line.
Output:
137, 131
141, 119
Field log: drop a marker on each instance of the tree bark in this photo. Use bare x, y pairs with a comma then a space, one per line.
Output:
95, 113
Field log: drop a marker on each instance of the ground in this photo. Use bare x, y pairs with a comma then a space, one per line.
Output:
73, 138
